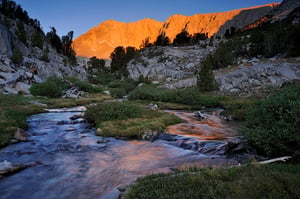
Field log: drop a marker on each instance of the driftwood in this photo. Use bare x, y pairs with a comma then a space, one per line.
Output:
281, 159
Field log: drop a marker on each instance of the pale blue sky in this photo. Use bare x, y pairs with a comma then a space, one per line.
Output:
81, 15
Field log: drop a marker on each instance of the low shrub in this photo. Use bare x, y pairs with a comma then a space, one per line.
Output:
84, 85
188, 96
272, 124
236, 107
17, 56
102, 78
120, 88
206, 79
113, 111
52, 87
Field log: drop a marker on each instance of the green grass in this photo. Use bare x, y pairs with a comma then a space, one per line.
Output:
236, 107
102, 78
249, 182
120, 88
188, 96
127, 119
65, 102
84, 85
191, 98
54, 87
14, 110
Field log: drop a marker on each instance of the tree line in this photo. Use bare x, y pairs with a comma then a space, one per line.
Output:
62, 45
13, 10
182, 39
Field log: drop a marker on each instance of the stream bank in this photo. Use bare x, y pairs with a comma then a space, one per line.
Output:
65, 159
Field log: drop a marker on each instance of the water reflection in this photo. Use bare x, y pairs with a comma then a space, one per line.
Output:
210, 128
71, 163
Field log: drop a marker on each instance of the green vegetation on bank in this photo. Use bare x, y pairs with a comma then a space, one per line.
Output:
252, 181
14, 110
272, 124
127, 119
69, 102
118, 88
188, 96
54, 87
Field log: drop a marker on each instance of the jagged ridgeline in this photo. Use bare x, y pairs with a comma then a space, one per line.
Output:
105, 37
28, 55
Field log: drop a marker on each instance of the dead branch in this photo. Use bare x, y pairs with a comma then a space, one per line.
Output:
281, 159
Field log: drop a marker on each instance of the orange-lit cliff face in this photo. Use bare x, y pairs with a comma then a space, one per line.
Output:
100, 41
204, 23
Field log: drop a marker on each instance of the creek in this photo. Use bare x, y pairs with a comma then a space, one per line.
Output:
67, 160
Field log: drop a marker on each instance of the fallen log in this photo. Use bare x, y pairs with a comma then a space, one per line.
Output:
281, 159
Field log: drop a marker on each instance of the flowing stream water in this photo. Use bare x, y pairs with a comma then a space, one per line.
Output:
68, 161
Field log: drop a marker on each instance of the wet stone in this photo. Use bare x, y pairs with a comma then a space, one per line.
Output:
101, 141
75, 117
167, 137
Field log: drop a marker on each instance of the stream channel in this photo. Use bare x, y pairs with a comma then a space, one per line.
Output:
67, 160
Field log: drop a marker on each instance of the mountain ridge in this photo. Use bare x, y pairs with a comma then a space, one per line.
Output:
101, 40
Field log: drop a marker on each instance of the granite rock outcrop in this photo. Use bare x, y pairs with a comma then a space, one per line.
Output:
16, 78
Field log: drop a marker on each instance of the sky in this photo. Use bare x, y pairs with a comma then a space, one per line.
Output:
81, 15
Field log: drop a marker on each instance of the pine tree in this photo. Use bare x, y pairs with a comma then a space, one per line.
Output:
205, 79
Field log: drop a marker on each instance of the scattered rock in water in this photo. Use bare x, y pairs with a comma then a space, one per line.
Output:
75, 117
9, 168
102, 140
200, 115
66, 122
123, 188
70, 130
167, 137
21, 135
62, 122
150, 135
212, 147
